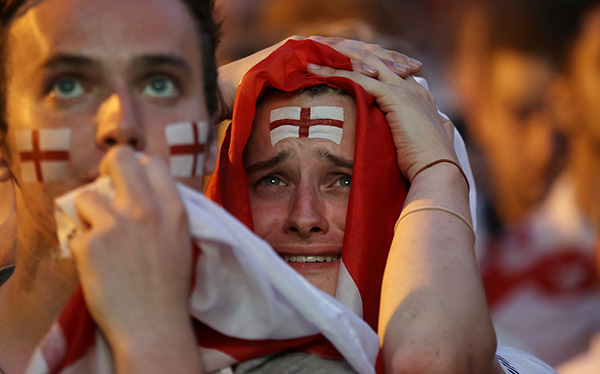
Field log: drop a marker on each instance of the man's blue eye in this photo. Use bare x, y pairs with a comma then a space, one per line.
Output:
345, 181
271, 181
67, 88
162, 87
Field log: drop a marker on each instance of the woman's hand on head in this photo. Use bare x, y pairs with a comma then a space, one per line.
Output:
366, 59
421, 135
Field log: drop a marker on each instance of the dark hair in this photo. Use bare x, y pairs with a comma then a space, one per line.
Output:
207, 28
322, 89
546, 28
310, 91
209, 33
572, 16
526, 26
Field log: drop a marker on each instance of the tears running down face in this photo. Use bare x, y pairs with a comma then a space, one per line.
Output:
299, 162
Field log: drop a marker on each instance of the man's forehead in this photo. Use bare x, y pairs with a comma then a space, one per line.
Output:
326, 116
313, 127
87, 18
316, 122
104, 30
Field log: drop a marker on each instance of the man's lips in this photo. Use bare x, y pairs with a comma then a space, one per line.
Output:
309, 253
310, 258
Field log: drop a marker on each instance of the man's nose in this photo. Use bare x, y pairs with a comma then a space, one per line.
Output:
118, 123
541, 140
308, 212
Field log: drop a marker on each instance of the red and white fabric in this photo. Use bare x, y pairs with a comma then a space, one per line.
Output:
268, 308
263, 311
541, 280
373, 207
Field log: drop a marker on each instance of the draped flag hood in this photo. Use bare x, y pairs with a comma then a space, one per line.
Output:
378, 188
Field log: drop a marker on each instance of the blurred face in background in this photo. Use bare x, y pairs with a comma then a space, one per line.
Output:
513, 127
583, 79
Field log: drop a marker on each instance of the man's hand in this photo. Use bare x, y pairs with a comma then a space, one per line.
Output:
231, 74
134, 262
421, 135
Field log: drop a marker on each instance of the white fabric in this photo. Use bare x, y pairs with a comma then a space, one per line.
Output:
514, 361
552, 327
267, 298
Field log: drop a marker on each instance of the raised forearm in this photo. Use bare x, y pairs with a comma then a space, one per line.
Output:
434, 317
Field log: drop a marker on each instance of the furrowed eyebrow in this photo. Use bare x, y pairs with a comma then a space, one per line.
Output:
155, 61
69, 61
270, 163
335, 160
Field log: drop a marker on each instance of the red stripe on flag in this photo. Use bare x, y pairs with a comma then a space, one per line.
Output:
304, 123
195, 149
37, 155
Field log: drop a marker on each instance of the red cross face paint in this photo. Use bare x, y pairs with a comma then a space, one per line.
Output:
44, 154
186, 142
325, 122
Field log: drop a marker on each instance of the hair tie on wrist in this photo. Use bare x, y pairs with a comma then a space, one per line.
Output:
420, 209
448, 161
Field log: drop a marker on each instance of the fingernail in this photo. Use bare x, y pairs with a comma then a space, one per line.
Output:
401, 67
416, 64
313, 66
370, 69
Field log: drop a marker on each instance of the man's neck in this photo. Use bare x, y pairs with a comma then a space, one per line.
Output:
29, 302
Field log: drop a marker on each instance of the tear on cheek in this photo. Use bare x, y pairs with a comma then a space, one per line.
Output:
44, 154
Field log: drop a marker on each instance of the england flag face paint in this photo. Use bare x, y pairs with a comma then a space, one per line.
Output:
325, 122
44, 154
187, 141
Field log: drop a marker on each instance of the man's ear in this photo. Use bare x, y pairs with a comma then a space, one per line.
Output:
4, 170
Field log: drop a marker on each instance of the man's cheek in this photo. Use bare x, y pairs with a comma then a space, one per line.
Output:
187, 142
44, 154
266, 218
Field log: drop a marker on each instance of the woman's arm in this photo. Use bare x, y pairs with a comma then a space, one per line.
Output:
434, 316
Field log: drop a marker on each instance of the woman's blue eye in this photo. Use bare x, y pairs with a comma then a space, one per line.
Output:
162, 87
345, 181
67, 88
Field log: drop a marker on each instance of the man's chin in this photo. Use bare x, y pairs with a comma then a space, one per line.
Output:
323, 275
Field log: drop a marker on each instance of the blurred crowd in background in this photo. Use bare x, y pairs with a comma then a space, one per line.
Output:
521, 81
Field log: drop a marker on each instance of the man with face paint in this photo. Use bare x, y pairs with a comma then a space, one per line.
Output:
310, 165
76, 92
85, 85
